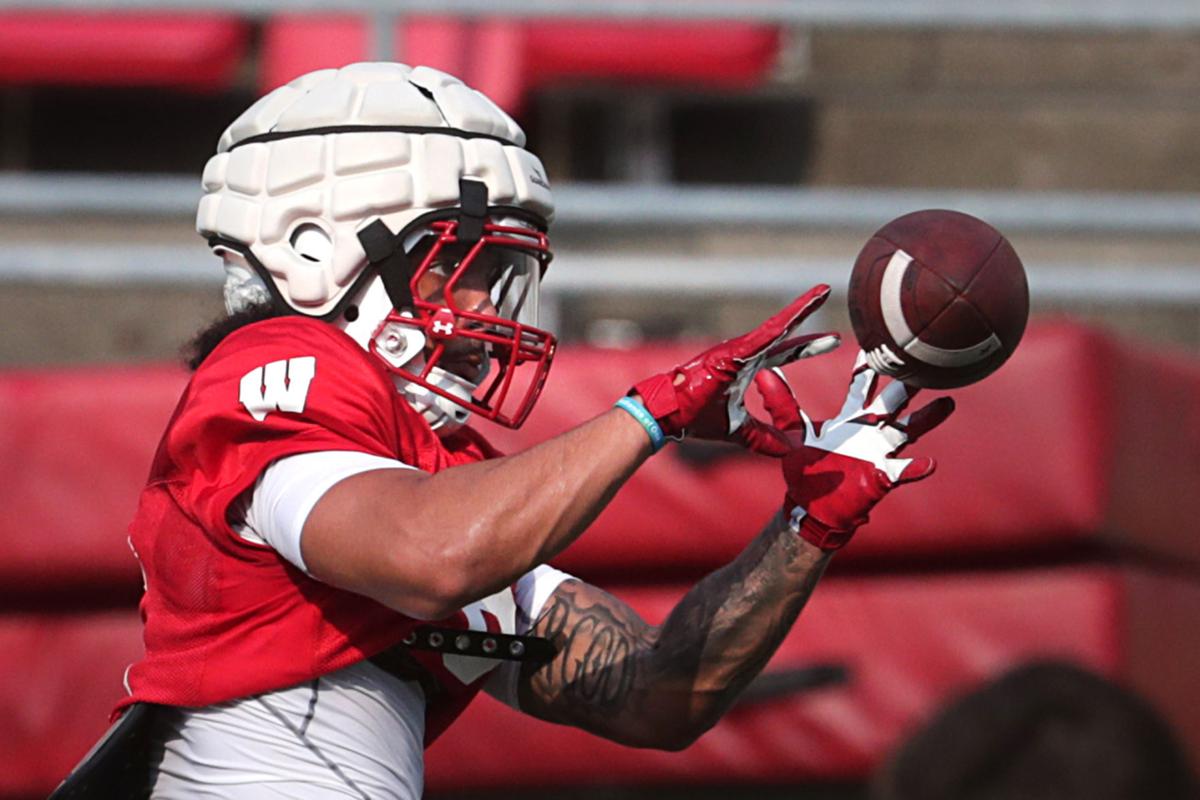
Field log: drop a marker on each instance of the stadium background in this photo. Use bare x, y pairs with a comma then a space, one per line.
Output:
711, 160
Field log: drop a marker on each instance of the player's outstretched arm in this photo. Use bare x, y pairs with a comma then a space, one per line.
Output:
645, 686
618, 677
427, 545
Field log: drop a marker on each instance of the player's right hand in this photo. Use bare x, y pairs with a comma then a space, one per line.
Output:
838, 469
703, 398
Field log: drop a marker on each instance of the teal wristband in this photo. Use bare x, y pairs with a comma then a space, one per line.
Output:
639, 412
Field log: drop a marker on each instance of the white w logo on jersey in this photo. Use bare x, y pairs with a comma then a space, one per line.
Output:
279, 386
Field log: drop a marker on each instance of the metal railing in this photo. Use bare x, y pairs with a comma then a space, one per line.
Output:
677, 206
671, 209
581, 273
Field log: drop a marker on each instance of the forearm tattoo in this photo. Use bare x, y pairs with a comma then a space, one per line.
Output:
613, 671
600, 644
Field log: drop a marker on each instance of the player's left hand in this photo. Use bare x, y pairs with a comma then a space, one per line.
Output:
703, 398
837, 470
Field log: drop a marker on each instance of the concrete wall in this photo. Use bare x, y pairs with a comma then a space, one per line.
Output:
1004, 110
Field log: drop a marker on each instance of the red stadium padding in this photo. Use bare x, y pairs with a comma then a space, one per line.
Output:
506, 59
76, 448
192, 51
1154, 470
1078, 440
909, 642
62, 674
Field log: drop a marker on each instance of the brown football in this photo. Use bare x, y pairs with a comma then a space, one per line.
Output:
938, 299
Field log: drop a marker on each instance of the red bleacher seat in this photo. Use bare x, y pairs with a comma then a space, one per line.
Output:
192, 51
64, 674
505, 59
727, 53
294, 45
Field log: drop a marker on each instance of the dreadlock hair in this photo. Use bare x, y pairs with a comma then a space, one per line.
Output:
204, 342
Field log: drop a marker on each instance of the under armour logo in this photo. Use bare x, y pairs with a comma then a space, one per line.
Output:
441, 328
279, 386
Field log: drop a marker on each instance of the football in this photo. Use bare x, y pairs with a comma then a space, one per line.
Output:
938, 299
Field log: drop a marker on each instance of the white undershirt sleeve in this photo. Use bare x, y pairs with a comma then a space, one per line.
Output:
532, 591
274, 511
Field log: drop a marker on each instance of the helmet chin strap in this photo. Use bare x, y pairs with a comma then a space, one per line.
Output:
444, 416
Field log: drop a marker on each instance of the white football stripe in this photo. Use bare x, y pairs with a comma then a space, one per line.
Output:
889, 298
942, 357
897, 326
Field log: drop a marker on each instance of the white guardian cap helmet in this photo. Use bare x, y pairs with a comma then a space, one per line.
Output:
402, 206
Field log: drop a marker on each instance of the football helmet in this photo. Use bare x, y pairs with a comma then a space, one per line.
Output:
402, 206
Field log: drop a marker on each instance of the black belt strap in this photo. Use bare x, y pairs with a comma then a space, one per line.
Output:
480, 643
399, 663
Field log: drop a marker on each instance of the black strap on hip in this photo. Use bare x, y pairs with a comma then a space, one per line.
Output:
504, 647
118, 767
398, 661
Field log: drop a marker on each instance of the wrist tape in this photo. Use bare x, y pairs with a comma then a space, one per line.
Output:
645, 419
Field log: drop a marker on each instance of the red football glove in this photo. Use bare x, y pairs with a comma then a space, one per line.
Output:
839, 469
703, 398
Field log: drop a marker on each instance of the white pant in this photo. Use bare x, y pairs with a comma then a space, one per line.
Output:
356, 733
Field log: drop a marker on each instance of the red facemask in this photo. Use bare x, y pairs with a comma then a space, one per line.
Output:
475, 303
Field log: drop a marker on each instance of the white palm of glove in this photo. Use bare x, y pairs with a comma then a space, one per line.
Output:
866, 430
838, 469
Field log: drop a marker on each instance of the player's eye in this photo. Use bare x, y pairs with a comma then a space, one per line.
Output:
431, 285
444, 264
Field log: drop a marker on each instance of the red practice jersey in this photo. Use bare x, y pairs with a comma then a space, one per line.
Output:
225, 617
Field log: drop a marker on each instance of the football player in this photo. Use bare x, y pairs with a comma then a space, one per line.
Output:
336, 562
